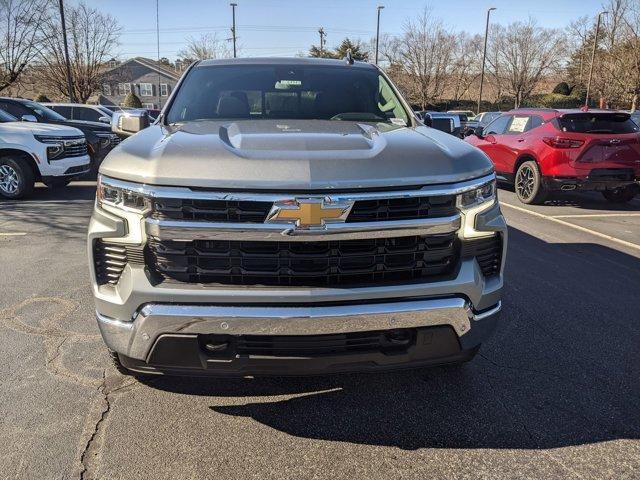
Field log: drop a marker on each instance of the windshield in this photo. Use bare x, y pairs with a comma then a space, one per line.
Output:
44, 112
597, 123
106, 111
5, 117
286, 92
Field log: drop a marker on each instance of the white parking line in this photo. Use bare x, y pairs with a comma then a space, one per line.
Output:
577, 227
12, 234
588, 215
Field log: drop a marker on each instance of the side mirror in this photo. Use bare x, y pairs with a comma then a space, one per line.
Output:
129, 122
478, 132
427, 121
28, 118
104, 119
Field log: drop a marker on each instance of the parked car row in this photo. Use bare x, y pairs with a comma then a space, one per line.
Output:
39, 144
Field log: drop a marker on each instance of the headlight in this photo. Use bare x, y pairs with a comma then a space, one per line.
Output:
105, 139
478, 196
124, 199
56, 148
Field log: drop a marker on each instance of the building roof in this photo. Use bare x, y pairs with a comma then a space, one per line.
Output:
153, 65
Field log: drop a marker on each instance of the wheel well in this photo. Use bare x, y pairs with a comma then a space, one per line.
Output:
521, 160
25, 156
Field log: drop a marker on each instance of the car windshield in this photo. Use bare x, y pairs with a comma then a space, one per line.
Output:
6, 117
597, 123
44, 112
286, 92
106, 111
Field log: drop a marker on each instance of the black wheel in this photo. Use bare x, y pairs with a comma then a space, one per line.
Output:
57, 182
621, 195
115, 360
528, 184
16, 178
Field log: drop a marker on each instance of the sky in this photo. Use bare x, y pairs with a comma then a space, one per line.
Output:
288, 27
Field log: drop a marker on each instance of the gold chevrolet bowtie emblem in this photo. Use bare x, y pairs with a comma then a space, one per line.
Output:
308, 213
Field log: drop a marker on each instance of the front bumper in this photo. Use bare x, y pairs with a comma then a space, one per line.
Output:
174, 338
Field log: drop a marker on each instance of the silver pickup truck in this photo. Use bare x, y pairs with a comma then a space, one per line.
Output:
291, 217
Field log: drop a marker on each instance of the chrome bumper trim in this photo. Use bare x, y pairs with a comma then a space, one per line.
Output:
136, 338
189, 230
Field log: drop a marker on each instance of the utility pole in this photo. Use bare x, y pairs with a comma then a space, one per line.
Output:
322, 35
158, 45
66, 53
484, 57
233, 28
380, 7
593, 57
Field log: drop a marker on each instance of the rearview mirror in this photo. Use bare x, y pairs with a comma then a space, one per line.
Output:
129, 122
28, 118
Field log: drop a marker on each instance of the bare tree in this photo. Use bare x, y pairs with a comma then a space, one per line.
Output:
425, 52
20, 37
205, 47
92, 36
466, 65
525, 55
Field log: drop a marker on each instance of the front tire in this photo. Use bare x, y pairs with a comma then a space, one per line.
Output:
621, 195
528, 184
16, 178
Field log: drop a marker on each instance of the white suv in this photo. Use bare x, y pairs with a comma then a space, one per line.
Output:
31, 152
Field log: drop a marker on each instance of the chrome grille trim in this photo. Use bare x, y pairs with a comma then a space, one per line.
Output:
181, 230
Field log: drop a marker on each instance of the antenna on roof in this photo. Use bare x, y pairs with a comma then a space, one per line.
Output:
348, 57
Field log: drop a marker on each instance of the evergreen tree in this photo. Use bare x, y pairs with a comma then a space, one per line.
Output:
132, 101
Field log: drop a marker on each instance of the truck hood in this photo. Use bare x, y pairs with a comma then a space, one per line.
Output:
40, 129
293, 155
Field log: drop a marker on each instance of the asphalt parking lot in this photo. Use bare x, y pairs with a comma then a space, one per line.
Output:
554, 394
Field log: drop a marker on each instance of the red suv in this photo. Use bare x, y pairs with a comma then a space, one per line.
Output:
544, 150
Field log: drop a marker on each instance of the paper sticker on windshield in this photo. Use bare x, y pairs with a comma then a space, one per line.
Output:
398, 121
518, 124
285, 84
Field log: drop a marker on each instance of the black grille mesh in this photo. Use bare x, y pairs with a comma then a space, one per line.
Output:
111, 258
487, 251
256, 212
330, 263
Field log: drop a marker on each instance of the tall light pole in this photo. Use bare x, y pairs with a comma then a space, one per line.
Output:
233, 29
593, 57
66, 53
380, 7
158, 45
484, 57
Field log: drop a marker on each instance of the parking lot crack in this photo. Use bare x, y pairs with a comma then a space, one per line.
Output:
90, 455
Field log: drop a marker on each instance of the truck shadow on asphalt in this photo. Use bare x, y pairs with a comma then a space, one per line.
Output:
561, 370
64, 212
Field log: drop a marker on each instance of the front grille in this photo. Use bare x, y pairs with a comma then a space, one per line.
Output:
256, 212
111, 258
402, 208
487, 251
75, 150
330, 263
310, 345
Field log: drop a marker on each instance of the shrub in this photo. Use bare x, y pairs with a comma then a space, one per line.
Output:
132, 100
562, 89
41, 98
